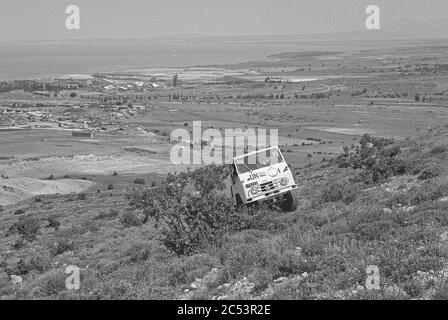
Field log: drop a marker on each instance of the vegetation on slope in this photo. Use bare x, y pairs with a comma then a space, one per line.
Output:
381, 203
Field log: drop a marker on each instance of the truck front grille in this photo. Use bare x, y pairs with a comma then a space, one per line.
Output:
268, 186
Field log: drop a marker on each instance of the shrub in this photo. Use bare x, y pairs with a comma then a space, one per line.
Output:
140, 181
40, 262
19, 244
36, 262
27, 227
202, 222
112, 214
62, 245
188, 209
439, 149
82, 196
130, 219
430, 172
115, 174
19, 212
53, 223
376, 157
110, 187
413, 289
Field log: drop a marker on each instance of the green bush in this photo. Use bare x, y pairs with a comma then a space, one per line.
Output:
61, 246
130, 219
431, 172
19, 212
28, 227
38, 262
53, 223
140, 181
82, 196
112, 214
189, 209
376, 157
439, 149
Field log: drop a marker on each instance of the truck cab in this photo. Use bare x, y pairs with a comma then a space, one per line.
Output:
262, 177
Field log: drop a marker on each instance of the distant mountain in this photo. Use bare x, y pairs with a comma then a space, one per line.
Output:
415, 28
401, 29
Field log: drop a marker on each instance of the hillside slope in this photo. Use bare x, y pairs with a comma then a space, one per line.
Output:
387, 209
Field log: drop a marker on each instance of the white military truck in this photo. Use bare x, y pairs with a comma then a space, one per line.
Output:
262, 177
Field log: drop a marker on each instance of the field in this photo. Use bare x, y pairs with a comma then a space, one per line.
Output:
65, 200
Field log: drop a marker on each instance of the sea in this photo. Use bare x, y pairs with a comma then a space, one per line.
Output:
49, 59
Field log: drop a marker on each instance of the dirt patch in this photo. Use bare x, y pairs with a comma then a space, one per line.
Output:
348, 131
18, 189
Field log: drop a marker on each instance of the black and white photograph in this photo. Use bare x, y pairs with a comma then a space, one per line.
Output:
222, 155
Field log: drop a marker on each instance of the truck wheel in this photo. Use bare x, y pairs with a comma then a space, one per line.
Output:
243, 209
240, 206
290, 201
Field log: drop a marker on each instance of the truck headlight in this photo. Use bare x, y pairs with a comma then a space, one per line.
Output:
284, 181
253, 191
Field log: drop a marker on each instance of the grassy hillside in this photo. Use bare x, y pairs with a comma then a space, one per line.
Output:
382, 203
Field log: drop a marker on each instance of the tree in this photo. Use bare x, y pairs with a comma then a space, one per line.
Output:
189, 209
376, 157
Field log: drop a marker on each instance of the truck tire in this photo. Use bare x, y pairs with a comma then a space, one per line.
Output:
240, 206
243, 209
290, 201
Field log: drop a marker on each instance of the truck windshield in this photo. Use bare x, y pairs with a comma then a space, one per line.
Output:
258, 160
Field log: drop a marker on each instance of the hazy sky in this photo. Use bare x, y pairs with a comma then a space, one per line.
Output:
45, 19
